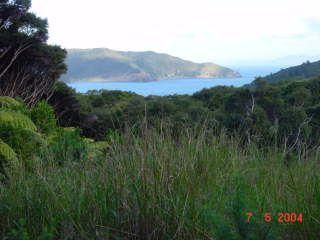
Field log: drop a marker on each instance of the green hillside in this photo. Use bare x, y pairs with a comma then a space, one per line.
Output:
108, 65
303, 71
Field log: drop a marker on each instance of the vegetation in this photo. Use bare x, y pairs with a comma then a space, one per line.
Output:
110, 65
156, 188
286, 113
224, 163
301, 72
183, 167
29, 67
26, 134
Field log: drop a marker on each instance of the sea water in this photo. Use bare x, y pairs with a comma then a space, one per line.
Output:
174, 86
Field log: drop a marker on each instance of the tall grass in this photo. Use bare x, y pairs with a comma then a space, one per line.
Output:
155, 187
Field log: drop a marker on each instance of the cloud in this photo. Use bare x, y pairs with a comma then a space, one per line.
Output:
199, 30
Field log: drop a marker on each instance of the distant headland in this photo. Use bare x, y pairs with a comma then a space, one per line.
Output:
105, 65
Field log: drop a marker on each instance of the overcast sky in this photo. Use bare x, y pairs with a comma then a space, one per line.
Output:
223, 31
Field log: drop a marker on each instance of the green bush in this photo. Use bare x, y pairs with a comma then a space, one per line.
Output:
44, 117
66, 145
18, 131
26, 143
28, 138
8, 102
8, 158
16, 120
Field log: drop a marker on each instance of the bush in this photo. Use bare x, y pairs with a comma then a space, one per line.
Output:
66, 145
8, 158
44, 117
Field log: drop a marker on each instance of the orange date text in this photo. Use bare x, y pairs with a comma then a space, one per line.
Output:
282, 217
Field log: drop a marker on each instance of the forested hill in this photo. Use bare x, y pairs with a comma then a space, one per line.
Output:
303, 71
109, 65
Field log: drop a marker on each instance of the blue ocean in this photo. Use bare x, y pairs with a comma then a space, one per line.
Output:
176, 86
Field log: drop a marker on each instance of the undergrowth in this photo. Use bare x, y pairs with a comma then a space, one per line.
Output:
154, 187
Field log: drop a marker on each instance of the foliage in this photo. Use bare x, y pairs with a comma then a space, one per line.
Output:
8, 102
16, 120
11, 104
28, 66
18, 134
183, 167
8, 158
65, 105
6, 151
66, 145
27, 133
304, 71
272, 114
173, 167
152, 187
44, 117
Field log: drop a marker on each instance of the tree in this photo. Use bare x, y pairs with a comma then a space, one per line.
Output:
66, 105
29, 67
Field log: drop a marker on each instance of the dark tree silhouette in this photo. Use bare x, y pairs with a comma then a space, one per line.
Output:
29, 67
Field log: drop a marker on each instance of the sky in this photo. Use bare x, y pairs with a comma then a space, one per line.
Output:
229, 32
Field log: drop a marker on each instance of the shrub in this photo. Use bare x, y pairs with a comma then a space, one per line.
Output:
44, 118
8, 157
16, 120
66, 145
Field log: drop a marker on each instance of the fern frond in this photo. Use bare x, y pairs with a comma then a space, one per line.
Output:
88, 140
99, 145
69, 129
8, 102
26, 143
7, 152
44, 117
97, 149
16, 120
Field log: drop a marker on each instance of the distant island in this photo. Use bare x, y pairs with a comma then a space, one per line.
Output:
105, 65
